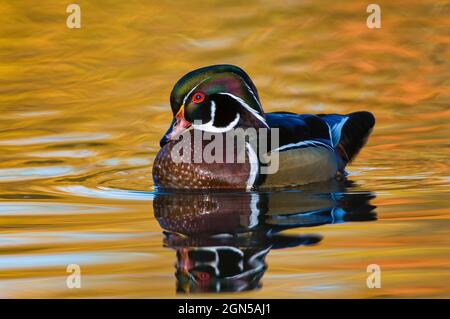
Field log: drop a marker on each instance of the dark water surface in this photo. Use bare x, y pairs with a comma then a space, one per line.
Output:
83, 111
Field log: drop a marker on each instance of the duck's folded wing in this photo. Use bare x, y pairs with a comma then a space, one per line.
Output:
345, 133
305, 153
314, 147
299, 131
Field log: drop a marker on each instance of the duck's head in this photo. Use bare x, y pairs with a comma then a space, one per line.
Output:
214, 99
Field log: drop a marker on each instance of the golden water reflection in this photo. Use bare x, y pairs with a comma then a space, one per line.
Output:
83, 111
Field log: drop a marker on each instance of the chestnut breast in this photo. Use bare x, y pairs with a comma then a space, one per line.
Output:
192, 173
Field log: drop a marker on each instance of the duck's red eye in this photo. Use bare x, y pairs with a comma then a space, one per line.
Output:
198, 97
203, 276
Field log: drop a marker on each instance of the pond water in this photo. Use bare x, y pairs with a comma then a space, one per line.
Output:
83, 111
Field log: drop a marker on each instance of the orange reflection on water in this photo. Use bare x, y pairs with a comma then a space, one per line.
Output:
83, 111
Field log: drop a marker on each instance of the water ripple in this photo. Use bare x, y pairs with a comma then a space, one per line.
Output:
77, 137
109, 193
29, 173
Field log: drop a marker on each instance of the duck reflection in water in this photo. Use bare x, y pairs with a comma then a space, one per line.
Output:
222, 238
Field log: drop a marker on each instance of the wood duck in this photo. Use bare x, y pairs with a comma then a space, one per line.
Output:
220, 98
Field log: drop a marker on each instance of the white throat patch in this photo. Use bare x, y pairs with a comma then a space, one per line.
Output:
209, 127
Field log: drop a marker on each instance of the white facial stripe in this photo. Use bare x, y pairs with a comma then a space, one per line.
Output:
247, 107
253, 94
209, 127
192, 90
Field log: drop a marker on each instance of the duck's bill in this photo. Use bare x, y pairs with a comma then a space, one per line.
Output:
178, 127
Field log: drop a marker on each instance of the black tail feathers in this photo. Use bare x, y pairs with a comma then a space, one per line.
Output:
355, 133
